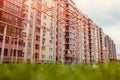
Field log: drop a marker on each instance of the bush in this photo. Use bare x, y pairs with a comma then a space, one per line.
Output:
59, 72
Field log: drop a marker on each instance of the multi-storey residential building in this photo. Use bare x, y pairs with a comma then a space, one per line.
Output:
48, 41
101, 47
107, 48
60, 32
11, 40
71, 33
40, 30
81, 36
68, 30
86, 40
49, 31
110, 47
92, 42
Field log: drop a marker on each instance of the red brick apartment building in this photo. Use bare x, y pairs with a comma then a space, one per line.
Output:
50, 31
11, 41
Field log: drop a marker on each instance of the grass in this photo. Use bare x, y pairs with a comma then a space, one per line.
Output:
59, 72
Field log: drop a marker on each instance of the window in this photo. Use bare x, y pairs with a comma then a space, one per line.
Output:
43, 41
32, 10
20, 54
51, 35
21, 42
44, 32
1, 30
51, 27
37, 38
1, 39
43, 56
25, 16
26, 7
5, 52
31, 18
24, 25
30, 28
50, 49
37, 29
50, 41
30, 35
13, 52
36, 55
46, 4
44, 16
7, 40
39, 14
37, 46
44, 24
39, 6
51, 21
32, 3
43, 47
23, 34
50, 57
29, 45
38, 21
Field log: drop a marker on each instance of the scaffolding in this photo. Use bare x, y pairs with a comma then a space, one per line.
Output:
65, 15
11, 18
41, 7
69, 27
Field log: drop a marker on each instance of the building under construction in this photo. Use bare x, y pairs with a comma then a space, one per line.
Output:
50, 31
11, 39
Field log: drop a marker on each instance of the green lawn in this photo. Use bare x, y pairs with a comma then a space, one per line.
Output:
59, 72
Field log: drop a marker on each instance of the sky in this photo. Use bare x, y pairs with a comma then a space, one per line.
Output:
105, 13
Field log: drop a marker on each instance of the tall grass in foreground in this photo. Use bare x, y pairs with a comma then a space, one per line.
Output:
59, 72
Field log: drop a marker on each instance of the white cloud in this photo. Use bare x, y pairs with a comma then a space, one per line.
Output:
105, 13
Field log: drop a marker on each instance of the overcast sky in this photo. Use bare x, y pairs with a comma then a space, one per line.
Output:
105, 13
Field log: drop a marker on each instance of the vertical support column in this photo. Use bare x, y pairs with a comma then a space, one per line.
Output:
25, 50
17, 49
13, 50
3, 44
55, 25
62, 55
81, 44
27, 33
33, 35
